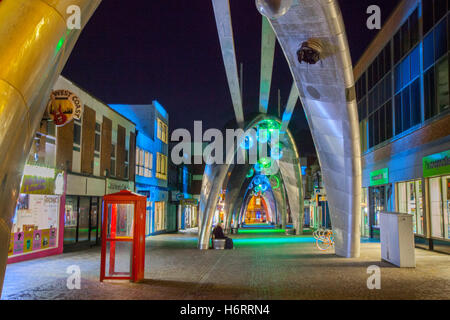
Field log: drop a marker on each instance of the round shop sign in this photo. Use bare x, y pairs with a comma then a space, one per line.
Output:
63, 107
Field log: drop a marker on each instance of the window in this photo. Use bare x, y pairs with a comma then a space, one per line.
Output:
397, 47
427, 14
406, 110
428, 51
440, 40
440, 206
162, 131
97, 137
440, 9
389, 119
430, 94
442, 85
125, 173
398, 114
415, 103
409, 195
160, 215
77, 133
414, 27
161, 166
415, 63
406, 71
383, 123
113, 160
51, 128
405, 38
144, 163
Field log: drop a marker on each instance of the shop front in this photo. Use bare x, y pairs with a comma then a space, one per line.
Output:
436, 171
156, 211
381, 198
38, 220
82, 218
188, 214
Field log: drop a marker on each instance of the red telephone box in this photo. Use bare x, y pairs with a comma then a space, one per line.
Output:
123, 236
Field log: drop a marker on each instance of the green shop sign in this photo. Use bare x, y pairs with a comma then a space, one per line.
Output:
436, 164
379, 177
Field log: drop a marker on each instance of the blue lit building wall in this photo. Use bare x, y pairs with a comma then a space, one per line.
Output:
145, 117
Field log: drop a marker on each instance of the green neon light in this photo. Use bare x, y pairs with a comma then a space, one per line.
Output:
274, 240
250, 173
277, 181
261, 231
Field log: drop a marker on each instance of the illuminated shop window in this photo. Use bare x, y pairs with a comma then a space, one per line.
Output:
162, 131
409, 197
144, 163
160, 215
161, 166
440, 206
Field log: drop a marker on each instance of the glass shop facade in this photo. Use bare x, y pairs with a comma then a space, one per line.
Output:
402, 89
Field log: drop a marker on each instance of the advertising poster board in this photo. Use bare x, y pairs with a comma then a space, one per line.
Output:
52, 238
37, 238
18, 242
28, 241
45, 236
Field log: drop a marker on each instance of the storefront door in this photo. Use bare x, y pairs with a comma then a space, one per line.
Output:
381, 198
94, 232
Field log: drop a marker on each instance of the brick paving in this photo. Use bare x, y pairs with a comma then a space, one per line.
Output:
272, 266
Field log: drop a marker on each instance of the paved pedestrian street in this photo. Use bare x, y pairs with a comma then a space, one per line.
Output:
261, 266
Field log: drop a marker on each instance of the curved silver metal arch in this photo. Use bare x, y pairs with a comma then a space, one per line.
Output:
327, 93
215, 175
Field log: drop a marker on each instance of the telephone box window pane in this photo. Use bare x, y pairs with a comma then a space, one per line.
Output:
120, 221
118, 258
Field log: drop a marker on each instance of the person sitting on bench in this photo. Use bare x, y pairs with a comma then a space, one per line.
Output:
218, 232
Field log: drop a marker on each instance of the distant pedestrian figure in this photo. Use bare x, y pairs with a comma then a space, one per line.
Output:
218, 232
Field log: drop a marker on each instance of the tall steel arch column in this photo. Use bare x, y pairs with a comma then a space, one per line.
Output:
327, 93
34, 47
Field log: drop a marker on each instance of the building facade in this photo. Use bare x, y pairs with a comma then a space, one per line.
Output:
80, 153
151, 154
402, 87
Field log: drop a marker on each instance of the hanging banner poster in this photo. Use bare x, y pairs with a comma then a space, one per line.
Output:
37, 236
52, 241
18, 242
11, 245
28, 241
45, 236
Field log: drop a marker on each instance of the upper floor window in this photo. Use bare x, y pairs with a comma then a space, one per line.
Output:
161, 166
144, 163
162, 131
77, 132
97, 137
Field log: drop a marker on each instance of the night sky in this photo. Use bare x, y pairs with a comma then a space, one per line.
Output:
137, 51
